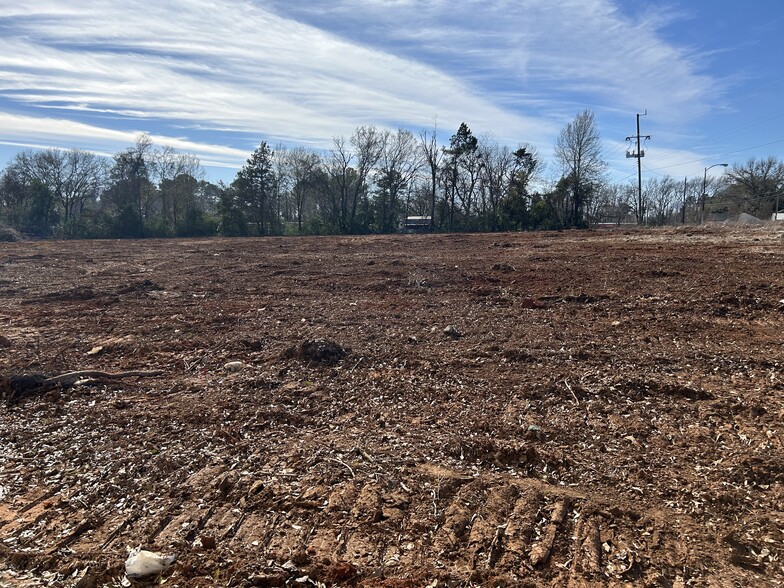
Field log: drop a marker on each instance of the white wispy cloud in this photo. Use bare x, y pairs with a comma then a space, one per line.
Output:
586, 50
304, 72
253, 72
54, 132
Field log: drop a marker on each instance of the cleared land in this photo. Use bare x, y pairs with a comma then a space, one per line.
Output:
606, 409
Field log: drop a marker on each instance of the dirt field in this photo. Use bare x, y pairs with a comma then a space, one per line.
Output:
554, 409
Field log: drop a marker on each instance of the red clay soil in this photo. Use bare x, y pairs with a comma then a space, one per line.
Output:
552, 409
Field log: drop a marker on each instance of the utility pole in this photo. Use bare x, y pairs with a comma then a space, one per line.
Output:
639, 154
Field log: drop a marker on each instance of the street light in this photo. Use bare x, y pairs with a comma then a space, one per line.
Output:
704, 186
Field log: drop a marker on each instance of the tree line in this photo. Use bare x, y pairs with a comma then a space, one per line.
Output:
368, 182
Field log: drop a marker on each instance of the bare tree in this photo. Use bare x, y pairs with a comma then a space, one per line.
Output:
130, 187
578, 149
505, 177
86, 175
336, 185
756, 185
344, 185
73, 177
692, 198
369, 144
166, 166
495, 161
397, 167
281, 184
429, 145
662, 196
26, 203
300, 166
613, 203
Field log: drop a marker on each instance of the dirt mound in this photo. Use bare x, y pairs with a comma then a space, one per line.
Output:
322, 351
9, 235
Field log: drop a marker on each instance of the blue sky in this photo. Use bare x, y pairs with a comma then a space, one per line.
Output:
216, 77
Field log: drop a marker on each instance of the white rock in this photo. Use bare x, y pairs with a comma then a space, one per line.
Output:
147, 564
234, 366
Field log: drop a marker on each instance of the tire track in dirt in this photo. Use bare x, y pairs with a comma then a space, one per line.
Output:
443, 522
481, 528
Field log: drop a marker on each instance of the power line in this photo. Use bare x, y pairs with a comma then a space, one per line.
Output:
737, 130
655, 172
736, 99
744, 127
620, 146
719, 155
